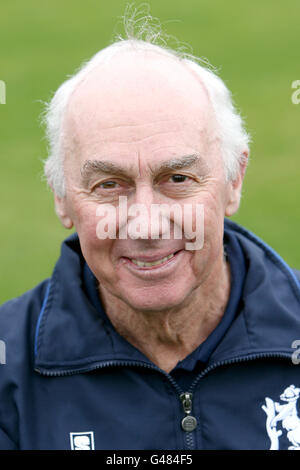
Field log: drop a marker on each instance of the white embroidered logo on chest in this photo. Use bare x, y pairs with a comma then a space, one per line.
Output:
287, 414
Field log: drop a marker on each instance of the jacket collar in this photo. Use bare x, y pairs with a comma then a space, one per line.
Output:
71, 334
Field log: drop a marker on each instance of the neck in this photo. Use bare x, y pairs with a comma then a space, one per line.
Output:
166, 337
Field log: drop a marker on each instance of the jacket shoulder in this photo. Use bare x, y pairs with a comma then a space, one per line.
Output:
18, 316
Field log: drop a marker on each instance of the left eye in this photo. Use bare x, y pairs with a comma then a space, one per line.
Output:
178, 178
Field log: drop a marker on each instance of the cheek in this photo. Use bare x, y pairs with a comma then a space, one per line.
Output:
97, 254
208, 227
93, 247
86, 224
204, 215
214, 226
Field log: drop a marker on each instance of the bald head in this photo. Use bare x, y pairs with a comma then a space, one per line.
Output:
131, 83
137, 89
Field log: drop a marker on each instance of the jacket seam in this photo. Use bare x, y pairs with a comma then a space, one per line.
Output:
44, 313
88, 361
40, 318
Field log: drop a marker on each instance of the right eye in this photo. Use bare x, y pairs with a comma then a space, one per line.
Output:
108, 185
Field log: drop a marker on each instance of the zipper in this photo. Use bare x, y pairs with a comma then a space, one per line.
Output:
189, 422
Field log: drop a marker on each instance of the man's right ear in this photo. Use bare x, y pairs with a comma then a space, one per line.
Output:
61, 211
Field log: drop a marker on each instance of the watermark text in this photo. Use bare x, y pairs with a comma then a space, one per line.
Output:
2, 92
157, 221
296, 95
296, 354
2, 352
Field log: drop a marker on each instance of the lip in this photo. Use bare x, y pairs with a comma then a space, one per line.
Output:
153, 271
150, 258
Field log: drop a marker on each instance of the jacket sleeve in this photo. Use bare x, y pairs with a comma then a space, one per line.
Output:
5, 442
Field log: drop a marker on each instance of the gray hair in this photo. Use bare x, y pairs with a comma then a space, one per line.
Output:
145, 34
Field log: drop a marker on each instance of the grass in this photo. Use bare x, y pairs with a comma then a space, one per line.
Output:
254, 44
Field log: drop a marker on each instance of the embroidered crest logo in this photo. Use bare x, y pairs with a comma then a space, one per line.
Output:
82, 440
285, 416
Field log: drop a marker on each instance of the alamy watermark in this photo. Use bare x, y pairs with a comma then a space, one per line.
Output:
296, 354
2, 92
296, 94
2, 352
139, 221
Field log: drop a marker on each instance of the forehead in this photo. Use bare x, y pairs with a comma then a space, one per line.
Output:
140, 100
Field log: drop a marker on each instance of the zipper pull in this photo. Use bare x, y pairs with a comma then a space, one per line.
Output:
189, 422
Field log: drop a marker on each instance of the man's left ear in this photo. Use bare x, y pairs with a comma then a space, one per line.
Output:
235, 188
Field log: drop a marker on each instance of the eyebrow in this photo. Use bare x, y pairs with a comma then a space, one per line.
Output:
181, 163
92, 167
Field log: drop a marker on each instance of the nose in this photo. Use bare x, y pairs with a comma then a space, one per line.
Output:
139, 213
143, 219
145, 195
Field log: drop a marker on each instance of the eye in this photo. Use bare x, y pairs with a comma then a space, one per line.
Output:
108, 185
179, 178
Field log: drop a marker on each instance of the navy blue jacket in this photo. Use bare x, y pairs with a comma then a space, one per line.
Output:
70, 381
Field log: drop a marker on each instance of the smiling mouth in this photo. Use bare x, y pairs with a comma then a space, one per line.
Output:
152, 264
144, 264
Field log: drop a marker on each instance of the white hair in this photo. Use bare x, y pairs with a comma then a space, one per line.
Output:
233, 137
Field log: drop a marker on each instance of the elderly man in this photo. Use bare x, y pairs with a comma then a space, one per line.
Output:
141, 340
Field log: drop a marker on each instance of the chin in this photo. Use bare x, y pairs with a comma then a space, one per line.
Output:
156, 301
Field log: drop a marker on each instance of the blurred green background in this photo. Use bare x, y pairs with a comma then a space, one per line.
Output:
256, 47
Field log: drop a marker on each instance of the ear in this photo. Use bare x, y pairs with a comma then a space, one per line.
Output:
235, 188
62, 212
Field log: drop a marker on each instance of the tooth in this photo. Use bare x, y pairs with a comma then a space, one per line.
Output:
140, 263
143, 264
